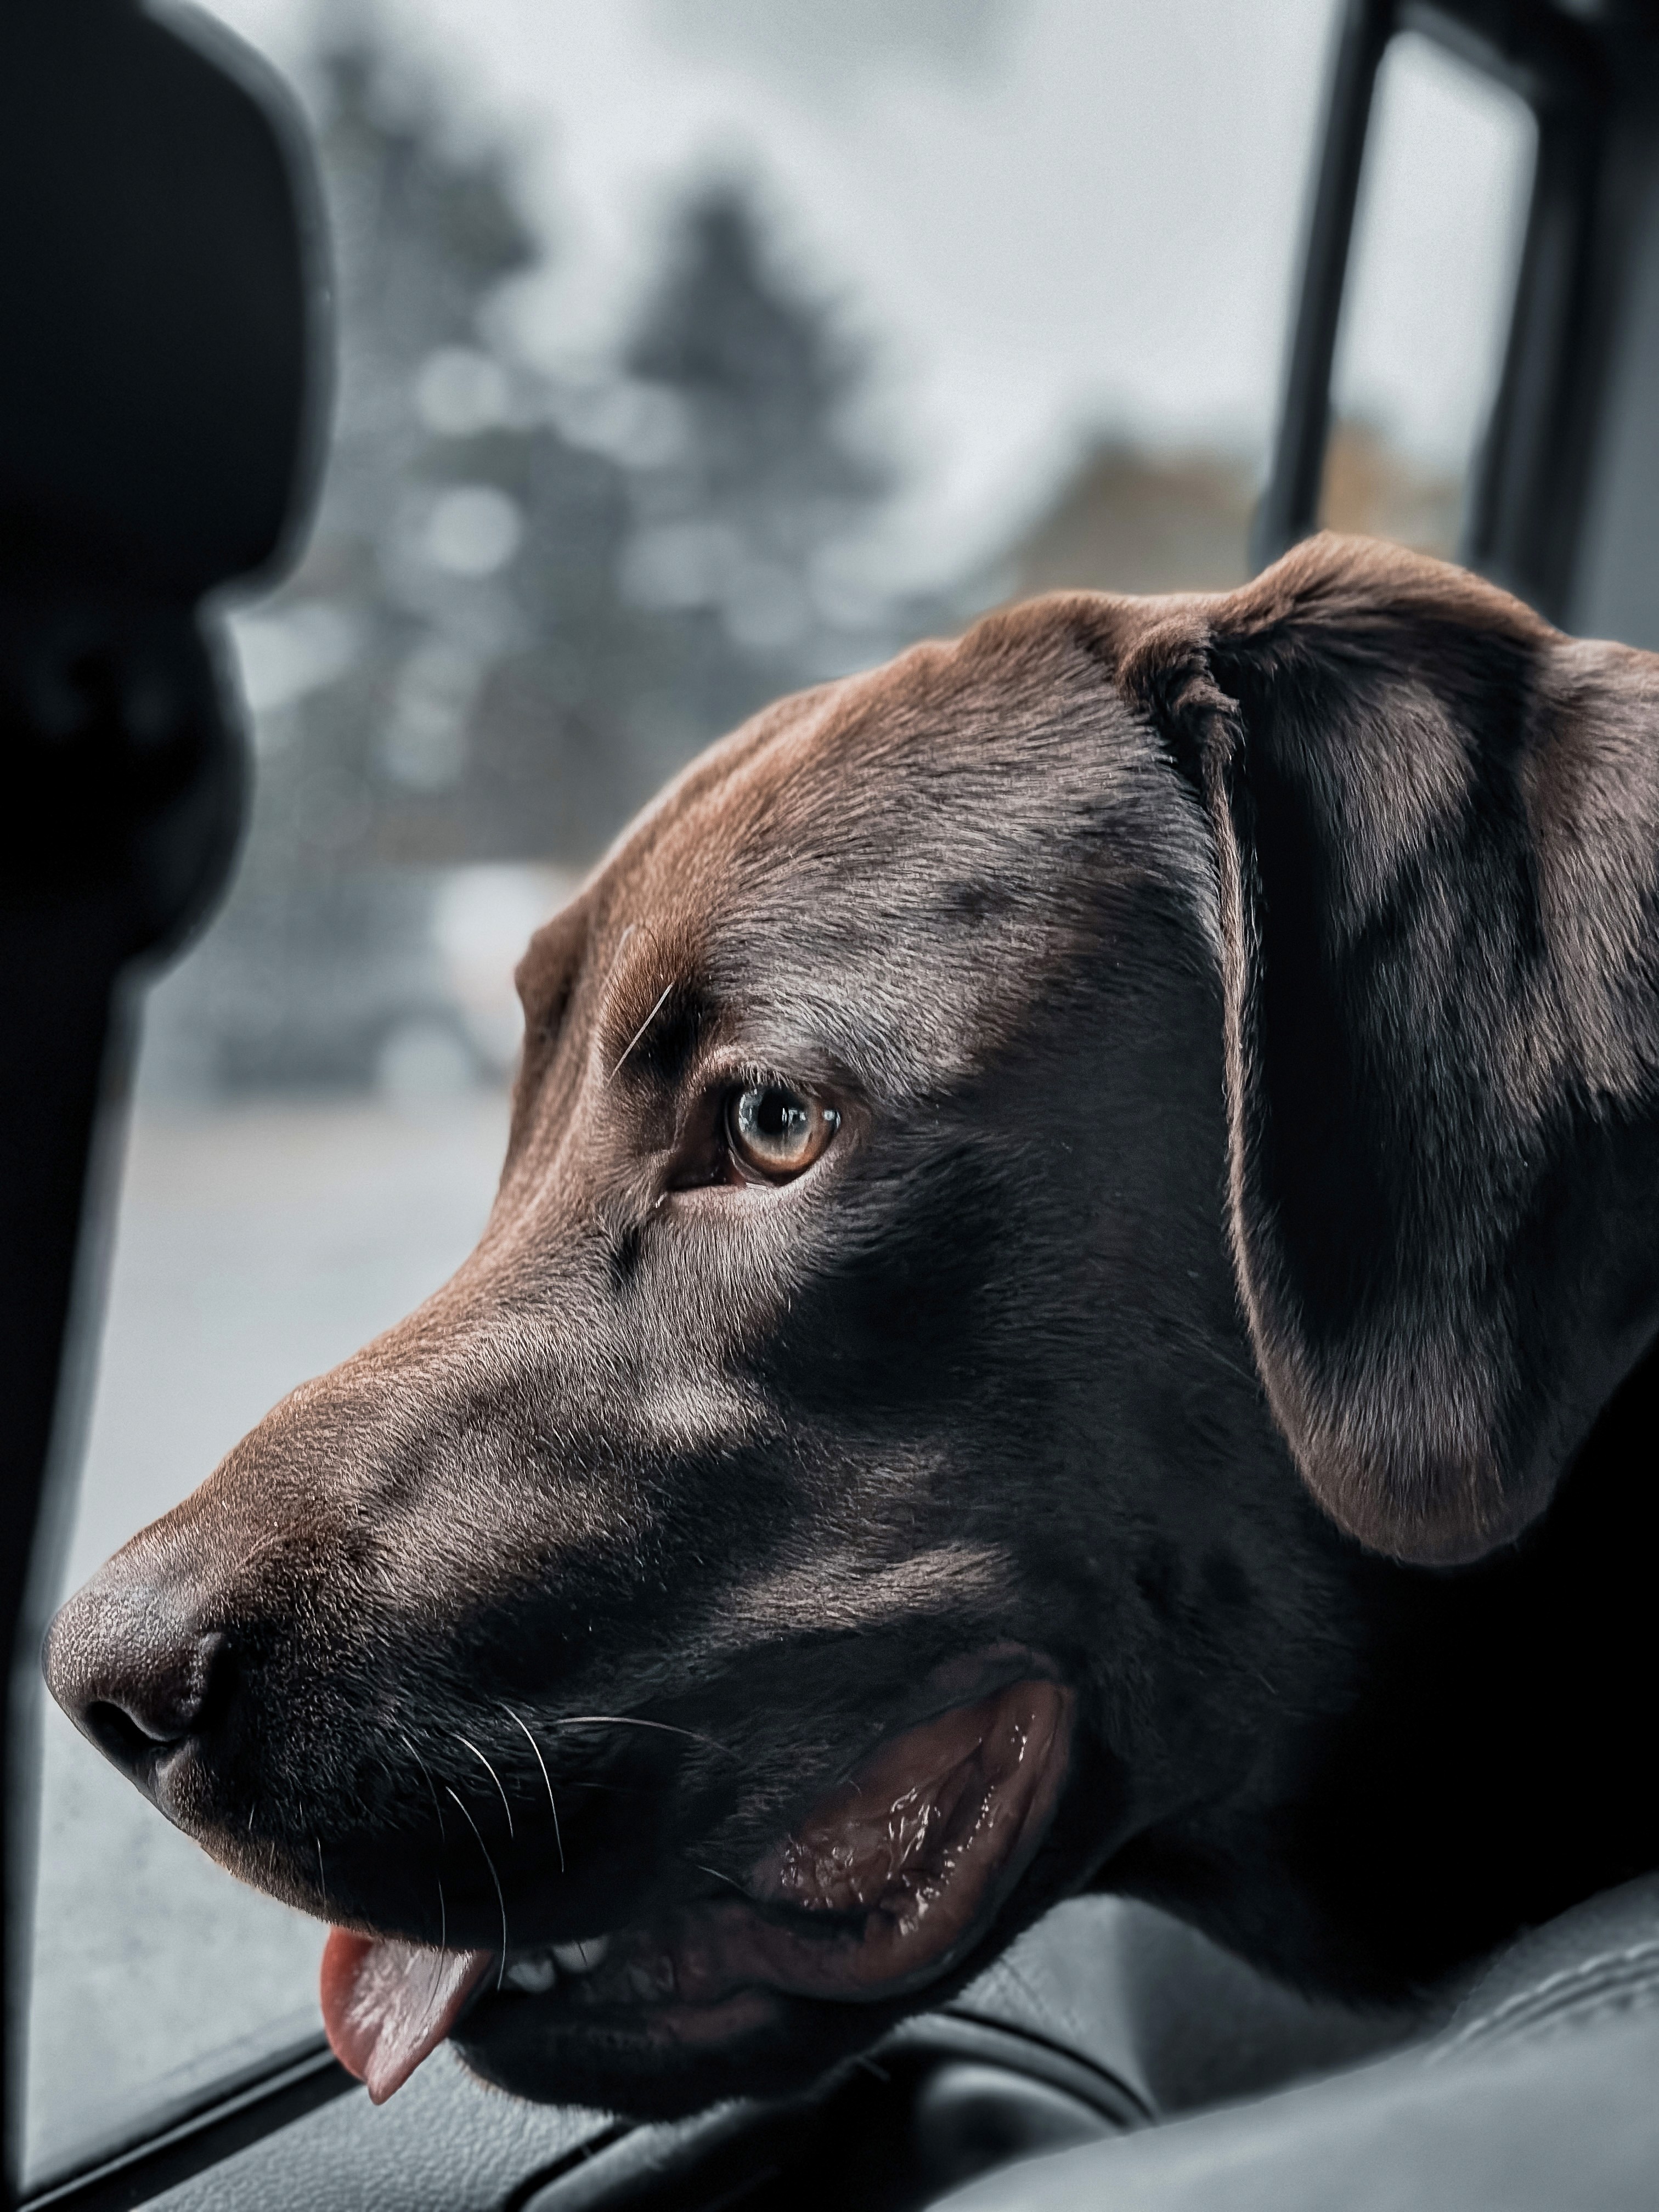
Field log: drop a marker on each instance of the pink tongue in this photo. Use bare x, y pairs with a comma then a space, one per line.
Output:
386, 2004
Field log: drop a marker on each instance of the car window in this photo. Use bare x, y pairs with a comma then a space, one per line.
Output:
689, 354
1436, 246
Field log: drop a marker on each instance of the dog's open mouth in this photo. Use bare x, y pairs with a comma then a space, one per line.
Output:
890, 1879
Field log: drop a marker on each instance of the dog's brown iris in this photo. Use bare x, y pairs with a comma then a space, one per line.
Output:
777, 1133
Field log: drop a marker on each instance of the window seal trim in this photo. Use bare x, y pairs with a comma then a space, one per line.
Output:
222, 2126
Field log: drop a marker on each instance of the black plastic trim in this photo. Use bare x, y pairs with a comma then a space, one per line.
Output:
221, 2128
759, 2155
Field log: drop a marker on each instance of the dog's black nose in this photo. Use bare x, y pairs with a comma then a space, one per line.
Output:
129, 1669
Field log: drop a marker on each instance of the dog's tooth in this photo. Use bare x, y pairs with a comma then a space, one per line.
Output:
535, 1976
581, 1958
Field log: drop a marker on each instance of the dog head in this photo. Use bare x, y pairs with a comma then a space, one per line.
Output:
1038, 1177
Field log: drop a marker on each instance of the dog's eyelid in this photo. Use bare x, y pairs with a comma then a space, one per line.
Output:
805, 1068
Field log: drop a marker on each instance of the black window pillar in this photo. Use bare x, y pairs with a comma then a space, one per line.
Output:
1525, 510
156, 407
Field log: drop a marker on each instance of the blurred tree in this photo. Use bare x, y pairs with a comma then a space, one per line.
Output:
521, 605
1374, 490
1125, 519
760, 482
507, 631
1128, 518
456, 526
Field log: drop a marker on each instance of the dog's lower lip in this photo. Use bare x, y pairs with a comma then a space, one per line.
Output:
887, 1881
644, 1975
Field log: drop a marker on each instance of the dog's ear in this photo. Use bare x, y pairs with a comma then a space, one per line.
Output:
1435, 824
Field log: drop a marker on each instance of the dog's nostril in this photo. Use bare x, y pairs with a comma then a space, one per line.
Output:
134, 1681
156, 1705
155, 1700
119, 1736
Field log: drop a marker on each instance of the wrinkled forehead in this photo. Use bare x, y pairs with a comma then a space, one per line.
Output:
874, 869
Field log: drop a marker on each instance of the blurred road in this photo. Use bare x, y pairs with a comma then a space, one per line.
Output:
257, 1244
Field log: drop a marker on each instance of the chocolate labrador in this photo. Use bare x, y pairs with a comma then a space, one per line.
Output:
1070, 1305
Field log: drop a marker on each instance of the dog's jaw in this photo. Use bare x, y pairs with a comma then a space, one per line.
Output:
891, 1877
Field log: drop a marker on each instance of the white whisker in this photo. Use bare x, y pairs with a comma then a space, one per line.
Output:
443, 1832
499, 1899
491, 1772
546, 1777
629, 1720
730, 1879
640, 1031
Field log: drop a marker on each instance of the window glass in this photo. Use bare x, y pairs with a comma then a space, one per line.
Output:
1425, 313
261, 1236
691, 350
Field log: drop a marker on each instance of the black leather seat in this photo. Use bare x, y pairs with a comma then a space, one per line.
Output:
1538, 2094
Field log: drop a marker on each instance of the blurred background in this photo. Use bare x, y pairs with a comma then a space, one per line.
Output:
690, 351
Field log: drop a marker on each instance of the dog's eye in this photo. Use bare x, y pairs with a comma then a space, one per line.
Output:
774, 1131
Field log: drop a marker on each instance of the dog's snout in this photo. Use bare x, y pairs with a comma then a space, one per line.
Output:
130, 1670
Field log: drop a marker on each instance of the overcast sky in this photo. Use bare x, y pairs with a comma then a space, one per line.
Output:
1053, 217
